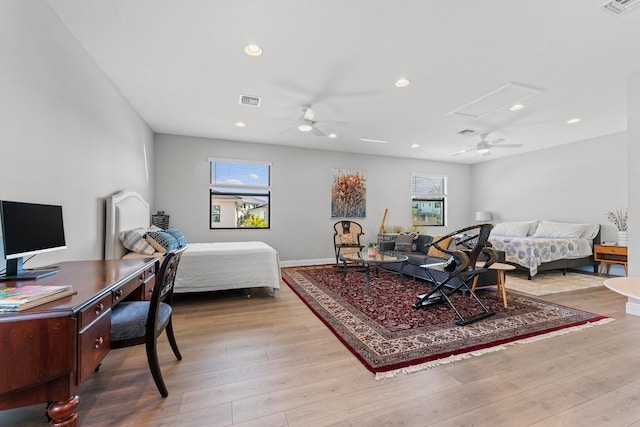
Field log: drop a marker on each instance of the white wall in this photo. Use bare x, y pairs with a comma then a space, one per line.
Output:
576, 182
301, 223
633, 159
68, 136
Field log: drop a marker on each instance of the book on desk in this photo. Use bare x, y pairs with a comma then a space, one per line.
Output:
18, 298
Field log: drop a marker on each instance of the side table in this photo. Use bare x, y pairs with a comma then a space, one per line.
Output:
501, 280
610, 254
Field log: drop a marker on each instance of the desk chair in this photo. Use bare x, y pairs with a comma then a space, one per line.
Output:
459, 272
346, 238
142, 322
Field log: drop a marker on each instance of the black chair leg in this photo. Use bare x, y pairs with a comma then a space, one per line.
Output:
154, 366
172, 341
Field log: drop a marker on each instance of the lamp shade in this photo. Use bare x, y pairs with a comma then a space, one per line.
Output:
482, 216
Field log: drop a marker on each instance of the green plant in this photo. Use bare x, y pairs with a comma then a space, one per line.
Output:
397, 229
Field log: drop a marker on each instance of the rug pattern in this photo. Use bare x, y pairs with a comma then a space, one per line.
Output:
385, 333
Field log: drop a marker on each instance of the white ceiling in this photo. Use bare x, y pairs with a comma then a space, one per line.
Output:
180, 63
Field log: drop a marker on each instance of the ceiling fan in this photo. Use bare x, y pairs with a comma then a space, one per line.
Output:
484, 147
306, 122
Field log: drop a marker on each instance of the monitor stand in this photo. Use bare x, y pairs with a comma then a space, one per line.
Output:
16, 272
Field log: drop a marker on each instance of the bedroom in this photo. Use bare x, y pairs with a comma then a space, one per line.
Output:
55, 92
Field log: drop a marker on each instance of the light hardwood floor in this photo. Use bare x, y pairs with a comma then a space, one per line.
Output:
270, 362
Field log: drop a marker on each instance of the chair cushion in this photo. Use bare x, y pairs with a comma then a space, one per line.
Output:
128, 319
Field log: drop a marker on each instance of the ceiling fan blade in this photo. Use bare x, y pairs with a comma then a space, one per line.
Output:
507, 146
333, 122
467, 150
497, 141
317, 131
286, 130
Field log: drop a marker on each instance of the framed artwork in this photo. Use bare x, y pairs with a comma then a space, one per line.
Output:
348, 193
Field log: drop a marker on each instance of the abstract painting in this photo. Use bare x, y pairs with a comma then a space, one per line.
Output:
348, 193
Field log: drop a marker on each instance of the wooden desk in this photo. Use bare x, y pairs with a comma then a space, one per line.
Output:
610, 254
48, 350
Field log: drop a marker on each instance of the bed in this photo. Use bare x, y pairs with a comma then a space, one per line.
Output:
536, 246
204, 266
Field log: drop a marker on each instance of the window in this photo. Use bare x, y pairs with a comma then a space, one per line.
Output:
240, 194
428, 196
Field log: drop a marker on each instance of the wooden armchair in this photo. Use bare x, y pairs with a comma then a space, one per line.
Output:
346, 238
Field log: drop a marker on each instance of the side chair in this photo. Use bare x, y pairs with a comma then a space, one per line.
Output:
142, 322
346, 238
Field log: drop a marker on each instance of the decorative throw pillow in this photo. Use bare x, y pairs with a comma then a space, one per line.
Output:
346, 238
177, 234
435, 252
162, 241
135, 241
406, 242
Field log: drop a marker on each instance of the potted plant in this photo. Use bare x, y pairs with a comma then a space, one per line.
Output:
619, 219
373, 249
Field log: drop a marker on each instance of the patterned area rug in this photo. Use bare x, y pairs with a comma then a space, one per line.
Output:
388, 336
551, 282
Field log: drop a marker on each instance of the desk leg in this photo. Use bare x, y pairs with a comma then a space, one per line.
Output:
64, 414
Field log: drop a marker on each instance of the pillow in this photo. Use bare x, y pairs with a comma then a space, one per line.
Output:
346, 238
162, 241
557, 230
435, 252
511, 229
135, 241
405, 242
589, 231
177, 234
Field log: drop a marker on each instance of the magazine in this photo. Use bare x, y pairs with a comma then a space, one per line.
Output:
20, 298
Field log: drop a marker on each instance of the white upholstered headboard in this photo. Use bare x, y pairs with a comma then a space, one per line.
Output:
125, 210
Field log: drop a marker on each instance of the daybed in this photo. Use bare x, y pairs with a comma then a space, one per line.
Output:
417, 248
204, 266
536, 246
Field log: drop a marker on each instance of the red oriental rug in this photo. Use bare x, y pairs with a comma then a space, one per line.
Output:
388, 336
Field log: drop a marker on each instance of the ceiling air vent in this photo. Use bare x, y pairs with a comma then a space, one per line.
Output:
466, 132
254, 101
620, 7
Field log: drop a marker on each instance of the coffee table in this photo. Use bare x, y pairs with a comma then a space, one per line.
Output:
366, 261
630, 288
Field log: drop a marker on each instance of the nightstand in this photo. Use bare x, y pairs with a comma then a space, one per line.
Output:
610, 255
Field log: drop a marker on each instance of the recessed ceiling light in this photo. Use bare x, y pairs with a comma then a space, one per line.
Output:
516, 107
240, 124
415, 145
332, 135
574, 120
253, 50
483, 150
373, 140
403, 82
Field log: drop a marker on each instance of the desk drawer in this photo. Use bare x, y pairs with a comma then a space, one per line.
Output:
93, 311
124, 290
93, 345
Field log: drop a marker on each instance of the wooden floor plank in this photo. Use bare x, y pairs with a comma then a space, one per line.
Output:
268, 361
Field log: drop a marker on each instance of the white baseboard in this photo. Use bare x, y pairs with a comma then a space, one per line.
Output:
303, 262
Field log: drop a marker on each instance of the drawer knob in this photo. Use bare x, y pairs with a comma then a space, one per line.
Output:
99, 308
119, 294
99, 342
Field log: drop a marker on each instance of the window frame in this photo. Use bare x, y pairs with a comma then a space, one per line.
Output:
238, 191
434, 195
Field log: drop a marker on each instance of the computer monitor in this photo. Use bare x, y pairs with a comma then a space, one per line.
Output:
29, 229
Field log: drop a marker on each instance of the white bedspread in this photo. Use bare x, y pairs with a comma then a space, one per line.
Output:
227, 265
531, 252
